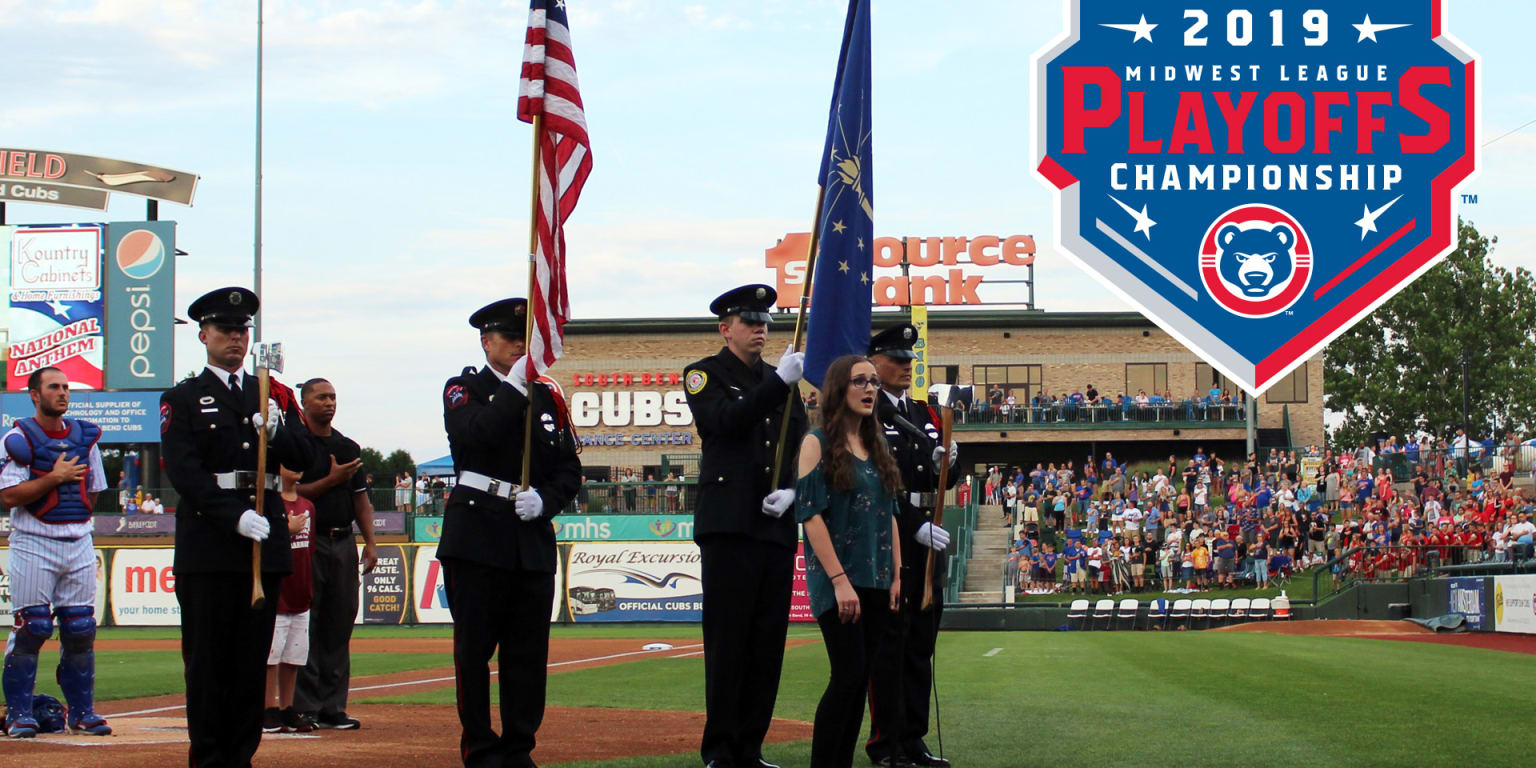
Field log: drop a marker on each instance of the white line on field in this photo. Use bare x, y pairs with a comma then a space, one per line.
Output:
993, 652
377, 686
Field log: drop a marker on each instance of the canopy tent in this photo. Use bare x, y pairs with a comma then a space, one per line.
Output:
436, 467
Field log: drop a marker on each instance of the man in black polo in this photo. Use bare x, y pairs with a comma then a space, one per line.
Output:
340, 494
746, 542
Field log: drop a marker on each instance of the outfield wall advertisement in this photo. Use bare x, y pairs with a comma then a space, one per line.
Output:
1468, 600
634, 581
589, 528
5, 583
1514, 603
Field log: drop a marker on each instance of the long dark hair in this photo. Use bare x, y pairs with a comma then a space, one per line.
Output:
837, 420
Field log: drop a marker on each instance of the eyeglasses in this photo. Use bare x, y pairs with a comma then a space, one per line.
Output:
864, 382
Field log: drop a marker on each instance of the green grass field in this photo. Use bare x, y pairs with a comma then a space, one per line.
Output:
1072, 698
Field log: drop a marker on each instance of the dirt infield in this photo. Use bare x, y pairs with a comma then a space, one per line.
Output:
1325, 628
153, 730
1392, 630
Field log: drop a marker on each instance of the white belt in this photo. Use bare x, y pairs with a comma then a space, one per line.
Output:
245, 479
922, 500
488, 484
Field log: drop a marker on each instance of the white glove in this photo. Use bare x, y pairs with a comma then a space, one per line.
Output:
791, 367
272, 421
253, 526
933, 537
776, 503
529, 504
518, 376
953, 453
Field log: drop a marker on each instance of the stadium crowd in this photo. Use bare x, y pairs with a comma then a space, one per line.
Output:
1090, 405
1210, 523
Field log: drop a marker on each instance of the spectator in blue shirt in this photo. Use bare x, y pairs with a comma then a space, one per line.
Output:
1077, 572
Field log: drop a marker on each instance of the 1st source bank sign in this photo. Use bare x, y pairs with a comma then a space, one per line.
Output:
1255, 179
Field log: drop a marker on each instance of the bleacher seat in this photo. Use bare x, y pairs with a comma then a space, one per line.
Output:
1104, 609
1199, 609
1259, 610
1179, 612
1126, 614
1239, 612
1157, 611
1079, 611
1218, 613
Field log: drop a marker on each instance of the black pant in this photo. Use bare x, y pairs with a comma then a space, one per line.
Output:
224, 646
920, 633
504, 612
864, 655
747, 585
323, 682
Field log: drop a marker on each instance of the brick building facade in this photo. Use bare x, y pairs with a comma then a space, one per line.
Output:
623, 380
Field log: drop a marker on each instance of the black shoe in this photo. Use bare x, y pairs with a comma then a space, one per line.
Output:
270, 723
761, 763
895, 761
337, 721
929, 760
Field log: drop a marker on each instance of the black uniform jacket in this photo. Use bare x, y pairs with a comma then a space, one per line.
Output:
738, 411
911, 442
204, 430
484, 418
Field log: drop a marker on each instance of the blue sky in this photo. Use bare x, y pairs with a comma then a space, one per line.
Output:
396, 174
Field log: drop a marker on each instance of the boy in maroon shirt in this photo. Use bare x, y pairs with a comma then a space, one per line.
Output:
290, 636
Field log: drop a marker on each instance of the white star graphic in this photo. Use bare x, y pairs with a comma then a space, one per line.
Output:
1144, 223
838, 227
842, 266
59, 308
861, 243
1142, 29
560, 4
864, 278
1367, 222
1368, 30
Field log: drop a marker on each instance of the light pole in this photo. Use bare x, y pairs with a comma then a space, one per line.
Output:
256, 331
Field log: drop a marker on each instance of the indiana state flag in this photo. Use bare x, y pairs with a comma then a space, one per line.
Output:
842, 285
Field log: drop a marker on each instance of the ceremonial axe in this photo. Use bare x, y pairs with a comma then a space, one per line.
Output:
269, 357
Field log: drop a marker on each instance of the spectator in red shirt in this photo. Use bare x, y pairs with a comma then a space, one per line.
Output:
290, 636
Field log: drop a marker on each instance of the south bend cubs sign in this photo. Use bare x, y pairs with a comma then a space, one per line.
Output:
1255, 178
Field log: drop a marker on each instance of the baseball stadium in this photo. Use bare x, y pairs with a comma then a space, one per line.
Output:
1207, 491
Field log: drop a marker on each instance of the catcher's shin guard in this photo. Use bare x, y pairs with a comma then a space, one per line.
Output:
33, 626
77, 661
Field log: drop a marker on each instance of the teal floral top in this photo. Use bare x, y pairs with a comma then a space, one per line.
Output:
859, 523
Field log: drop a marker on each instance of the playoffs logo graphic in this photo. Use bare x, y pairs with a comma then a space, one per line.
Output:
1255, 179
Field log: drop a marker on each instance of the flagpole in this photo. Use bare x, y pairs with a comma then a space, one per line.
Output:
533, 273
805, 303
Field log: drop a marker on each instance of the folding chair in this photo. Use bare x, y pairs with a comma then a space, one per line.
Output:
1199, 609
1103, 609
1157, 610
1179, 612
1218, 613
1239, 612
1259, 610
1129, 607
1079, 611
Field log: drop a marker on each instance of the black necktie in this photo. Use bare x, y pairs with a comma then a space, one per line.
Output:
234, 384
901, 405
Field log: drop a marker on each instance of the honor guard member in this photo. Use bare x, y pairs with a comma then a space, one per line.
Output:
912, 432
209, 427
498, 545
51, 474
746, 541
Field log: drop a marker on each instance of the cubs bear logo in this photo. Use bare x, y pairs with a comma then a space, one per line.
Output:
455, 396
1255, 178
1255, 260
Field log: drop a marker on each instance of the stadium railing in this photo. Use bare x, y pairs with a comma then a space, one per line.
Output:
960, 533
1183, 411
1389, 564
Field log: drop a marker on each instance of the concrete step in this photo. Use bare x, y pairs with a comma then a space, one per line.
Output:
991, 596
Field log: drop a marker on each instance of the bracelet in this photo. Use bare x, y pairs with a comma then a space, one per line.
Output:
834, 578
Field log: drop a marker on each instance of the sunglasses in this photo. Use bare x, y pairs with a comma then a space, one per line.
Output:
864, 382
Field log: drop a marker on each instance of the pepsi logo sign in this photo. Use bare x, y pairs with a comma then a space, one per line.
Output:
140, 254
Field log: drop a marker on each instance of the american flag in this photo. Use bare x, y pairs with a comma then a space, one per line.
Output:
548, 90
